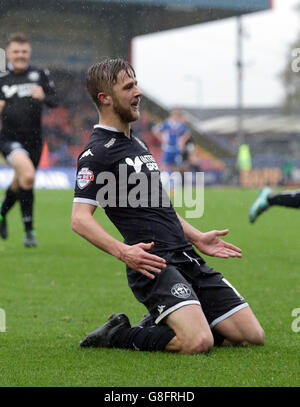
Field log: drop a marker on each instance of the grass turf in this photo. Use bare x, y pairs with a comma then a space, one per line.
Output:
54, 294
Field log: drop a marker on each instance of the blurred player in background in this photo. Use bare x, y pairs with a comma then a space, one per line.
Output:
266, 199
190, 159
192, 306
173, 135
24, 90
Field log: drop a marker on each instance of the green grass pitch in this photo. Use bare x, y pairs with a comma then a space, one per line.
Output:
54, 294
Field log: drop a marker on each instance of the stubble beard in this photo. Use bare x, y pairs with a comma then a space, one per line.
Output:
126, 115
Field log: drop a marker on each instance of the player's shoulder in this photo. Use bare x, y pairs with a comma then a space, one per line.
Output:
34, 73
184, 126
4, 76
142, 143
38, 71
45, 72
35, 68
98, 146
162, 126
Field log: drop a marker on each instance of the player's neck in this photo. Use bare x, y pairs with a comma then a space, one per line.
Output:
115, 123
19, 71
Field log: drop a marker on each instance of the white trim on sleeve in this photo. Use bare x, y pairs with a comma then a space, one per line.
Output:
86, 201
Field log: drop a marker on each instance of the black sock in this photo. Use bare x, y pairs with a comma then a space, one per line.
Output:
218, 338
10, 199
26, 202
286, 198
149, 338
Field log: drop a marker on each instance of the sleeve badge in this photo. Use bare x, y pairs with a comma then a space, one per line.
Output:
84, 177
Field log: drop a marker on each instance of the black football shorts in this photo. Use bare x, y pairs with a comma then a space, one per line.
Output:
186, 280
33, 150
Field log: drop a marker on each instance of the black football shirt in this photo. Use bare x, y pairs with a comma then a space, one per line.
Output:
120, 174
21, 116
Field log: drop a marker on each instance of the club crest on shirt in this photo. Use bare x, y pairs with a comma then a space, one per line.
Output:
33, 76
84, 177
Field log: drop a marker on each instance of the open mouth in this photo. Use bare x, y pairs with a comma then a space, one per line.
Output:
135, 105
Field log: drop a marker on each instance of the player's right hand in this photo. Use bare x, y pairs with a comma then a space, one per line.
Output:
38, 93
137, 258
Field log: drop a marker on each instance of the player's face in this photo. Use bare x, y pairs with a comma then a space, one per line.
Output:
18, 55
126, 98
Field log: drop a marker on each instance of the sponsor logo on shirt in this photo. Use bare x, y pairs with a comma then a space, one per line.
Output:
22, 90
84, 177
136, 164
148, 160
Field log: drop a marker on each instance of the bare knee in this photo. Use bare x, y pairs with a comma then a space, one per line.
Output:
200, 344
193, 334
253, 338
27, 180
242, 328
257, 337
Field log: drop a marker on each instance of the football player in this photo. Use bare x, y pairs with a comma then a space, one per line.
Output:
24, 89
192, 305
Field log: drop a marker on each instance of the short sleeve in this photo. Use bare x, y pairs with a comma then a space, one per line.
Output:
90, 165
48, 86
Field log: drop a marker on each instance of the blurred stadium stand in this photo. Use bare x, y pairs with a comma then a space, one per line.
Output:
270, 134
69, 35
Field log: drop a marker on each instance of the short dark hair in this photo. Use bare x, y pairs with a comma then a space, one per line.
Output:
17, 37
102, 76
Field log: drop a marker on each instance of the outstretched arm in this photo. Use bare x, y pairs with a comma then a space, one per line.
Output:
135, 256
210, 243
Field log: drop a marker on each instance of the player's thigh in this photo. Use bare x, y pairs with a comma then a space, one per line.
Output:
188, 321
22, 164
191, 328
242, 328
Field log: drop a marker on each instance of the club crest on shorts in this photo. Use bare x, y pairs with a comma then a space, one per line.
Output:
84, 177
181, 290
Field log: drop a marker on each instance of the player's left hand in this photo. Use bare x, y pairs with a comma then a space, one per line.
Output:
38, 93
209, 243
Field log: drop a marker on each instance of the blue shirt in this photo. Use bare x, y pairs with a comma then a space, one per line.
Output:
172, 131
